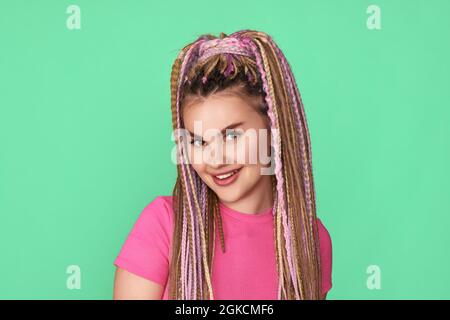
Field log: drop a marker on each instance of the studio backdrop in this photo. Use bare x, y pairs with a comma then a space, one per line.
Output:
85, 134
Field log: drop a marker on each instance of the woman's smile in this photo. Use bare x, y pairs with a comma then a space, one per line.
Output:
226, 178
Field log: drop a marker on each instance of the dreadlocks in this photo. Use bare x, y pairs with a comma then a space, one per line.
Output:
251, 64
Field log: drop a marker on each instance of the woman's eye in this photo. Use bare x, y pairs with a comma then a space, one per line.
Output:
232, 135
197, 142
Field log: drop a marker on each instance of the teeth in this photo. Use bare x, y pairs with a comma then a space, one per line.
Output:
223, 176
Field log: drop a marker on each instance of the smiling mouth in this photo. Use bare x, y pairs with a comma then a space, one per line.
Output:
226, 178
226, 175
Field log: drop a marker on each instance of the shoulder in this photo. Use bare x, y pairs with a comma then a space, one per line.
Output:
157, 215
146, 251
160, 204
326, 256
324, 238
323, 232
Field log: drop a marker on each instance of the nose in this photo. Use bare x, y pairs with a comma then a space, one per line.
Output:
219, 154
214, 156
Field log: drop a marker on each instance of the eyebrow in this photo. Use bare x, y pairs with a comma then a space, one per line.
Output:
223, 131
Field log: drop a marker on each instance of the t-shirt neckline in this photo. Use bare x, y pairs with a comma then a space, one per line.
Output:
262, 216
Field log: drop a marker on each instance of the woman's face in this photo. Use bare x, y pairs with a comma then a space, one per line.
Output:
228, 145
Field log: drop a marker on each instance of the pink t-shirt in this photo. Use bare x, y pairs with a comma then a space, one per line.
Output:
246, 271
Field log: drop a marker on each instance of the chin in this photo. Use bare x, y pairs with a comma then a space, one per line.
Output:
228, 194
229, 197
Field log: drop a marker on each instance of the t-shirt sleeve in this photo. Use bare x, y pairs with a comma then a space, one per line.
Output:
147, 247
326, 257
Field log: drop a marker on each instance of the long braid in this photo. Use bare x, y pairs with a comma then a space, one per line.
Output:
204, 191
203, 240
277, 225
178, 73
306, 159
177, 284
184, 250
311, 257
291, 178
192, 196
268, 88
193, 256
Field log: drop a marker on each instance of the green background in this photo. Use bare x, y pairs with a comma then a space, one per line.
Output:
85, 132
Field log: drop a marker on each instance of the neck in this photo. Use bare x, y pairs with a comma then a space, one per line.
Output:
259, 199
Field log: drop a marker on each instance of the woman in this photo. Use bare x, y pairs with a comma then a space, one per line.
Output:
232, 229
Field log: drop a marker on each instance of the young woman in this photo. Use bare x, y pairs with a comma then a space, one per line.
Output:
234, 228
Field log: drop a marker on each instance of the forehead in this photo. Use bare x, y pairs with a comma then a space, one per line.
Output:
218, 111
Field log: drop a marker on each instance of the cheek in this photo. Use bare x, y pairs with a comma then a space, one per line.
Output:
199, 168
232, 153
247, 150
251, 176
195, 156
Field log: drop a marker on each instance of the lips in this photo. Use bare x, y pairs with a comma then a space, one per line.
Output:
226, 178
